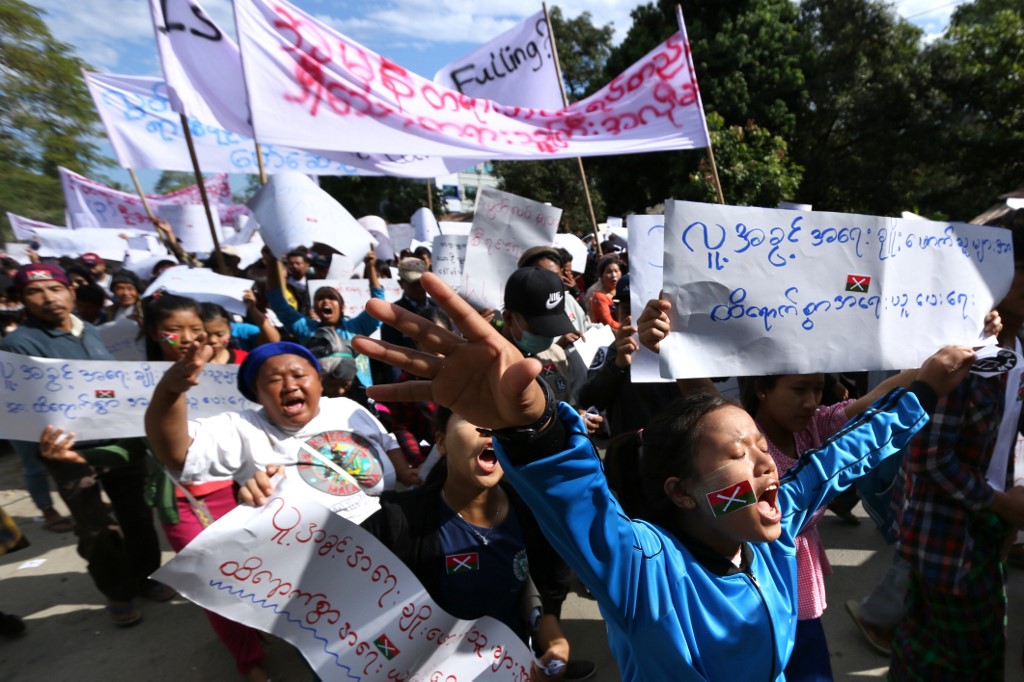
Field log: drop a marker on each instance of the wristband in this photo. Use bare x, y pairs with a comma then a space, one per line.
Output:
521, 434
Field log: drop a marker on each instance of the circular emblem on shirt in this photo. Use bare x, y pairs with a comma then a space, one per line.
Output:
348, 451
521, 566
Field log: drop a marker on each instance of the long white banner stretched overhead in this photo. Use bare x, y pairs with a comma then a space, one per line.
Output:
91, 204
145, 132
774, 291
516, 68
312, 87
203, 70
24, 228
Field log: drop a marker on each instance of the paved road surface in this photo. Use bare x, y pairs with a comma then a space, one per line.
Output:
70, 638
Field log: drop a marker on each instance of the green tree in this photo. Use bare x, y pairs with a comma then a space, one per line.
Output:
582, 50
865, 126
754, 167
747, 55
46, 116
393, 199
170, 181
978, 72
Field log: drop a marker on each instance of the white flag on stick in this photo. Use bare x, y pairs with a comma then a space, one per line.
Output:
516, 68
312, 87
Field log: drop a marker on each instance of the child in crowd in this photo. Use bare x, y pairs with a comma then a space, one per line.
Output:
217, 324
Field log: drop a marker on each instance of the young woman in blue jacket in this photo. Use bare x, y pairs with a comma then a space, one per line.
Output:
703, 586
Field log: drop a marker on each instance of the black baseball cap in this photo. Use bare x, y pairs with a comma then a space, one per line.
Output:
539, 296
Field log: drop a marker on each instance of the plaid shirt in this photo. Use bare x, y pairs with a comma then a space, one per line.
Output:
946, 492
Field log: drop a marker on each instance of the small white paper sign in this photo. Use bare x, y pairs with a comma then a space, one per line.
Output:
293, 211
646, 251
107, 243
401, 235
123, 339
18, 252
594, 341
191, 226
352, 608
769, 291
424, 225
203, 285
575, 246
449, 254
504, 225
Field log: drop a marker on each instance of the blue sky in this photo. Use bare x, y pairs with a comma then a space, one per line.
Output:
116, 36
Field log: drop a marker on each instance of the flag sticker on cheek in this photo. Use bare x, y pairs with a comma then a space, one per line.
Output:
731, 498
170, 338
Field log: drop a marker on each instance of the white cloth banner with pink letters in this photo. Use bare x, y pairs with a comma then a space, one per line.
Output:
312, 87
353, 609
24, 228
91, 204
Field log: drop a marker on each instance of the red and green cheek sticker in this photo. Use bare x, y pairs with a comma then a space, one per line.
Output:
727, 489
170, 338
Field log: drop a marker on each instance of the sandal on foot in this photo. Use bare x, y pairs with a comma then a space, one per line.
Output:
61, 525
124, 616
157, 591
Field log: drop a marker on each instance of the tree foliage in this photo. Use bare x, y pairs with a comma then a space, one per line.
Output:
170, 181
393, 199
866, 117
46, 115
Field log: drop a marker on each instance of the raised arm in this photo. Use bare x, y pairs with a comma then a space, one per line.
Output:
167, 414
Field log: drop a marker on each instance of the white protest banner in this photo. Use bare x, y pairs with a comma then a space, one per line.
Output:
191, 226
24, 227
145, 132
293, 211
142, 262
201, 65
516, 68
91, 204
205, 286
448, 256
314, 88
646, 251
504, 225
771, 291
123, 339
352, 608
356, 292
110, 245
99, 399
203, 70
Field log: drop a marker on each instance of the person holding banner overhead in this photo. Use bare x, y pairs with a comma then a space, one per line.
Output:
702, 583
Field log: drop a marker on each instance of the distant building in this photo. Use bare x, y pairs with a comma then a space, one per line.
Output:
460, 188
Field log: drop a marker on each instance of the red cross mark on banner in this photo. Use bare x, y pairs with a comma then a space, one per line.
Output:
386, 647
858, 283
102, 394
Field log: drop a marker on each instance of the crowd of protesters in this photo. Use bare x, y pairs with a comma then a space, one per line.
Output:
482, 456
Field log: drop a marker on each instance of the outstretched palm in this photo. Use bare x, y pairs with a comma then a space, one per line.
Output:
480, 376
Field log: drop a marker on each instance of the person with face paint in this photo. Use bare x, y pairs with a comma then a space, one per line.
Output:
702, 584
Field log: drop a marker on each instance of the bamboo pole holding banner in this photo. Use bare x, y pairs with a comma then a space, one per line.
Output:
142, 195
259, 163
430, 197
700, 103
218, 257
565, 103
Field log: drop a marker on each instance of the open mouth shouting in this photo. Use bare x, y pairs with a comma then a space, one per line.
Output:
293, 405
487, 460
767, 503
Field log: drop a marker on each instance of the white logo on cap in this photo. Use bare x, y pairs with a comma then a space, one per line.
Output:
553, 301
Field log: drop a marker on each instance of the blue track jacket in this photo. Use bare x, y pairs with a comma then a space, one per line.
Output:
669, 615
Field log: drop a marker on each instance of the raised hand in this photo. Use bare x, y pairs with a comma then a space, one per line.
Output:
184, 374
946, 368
625, 344
653, 325
480, 376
